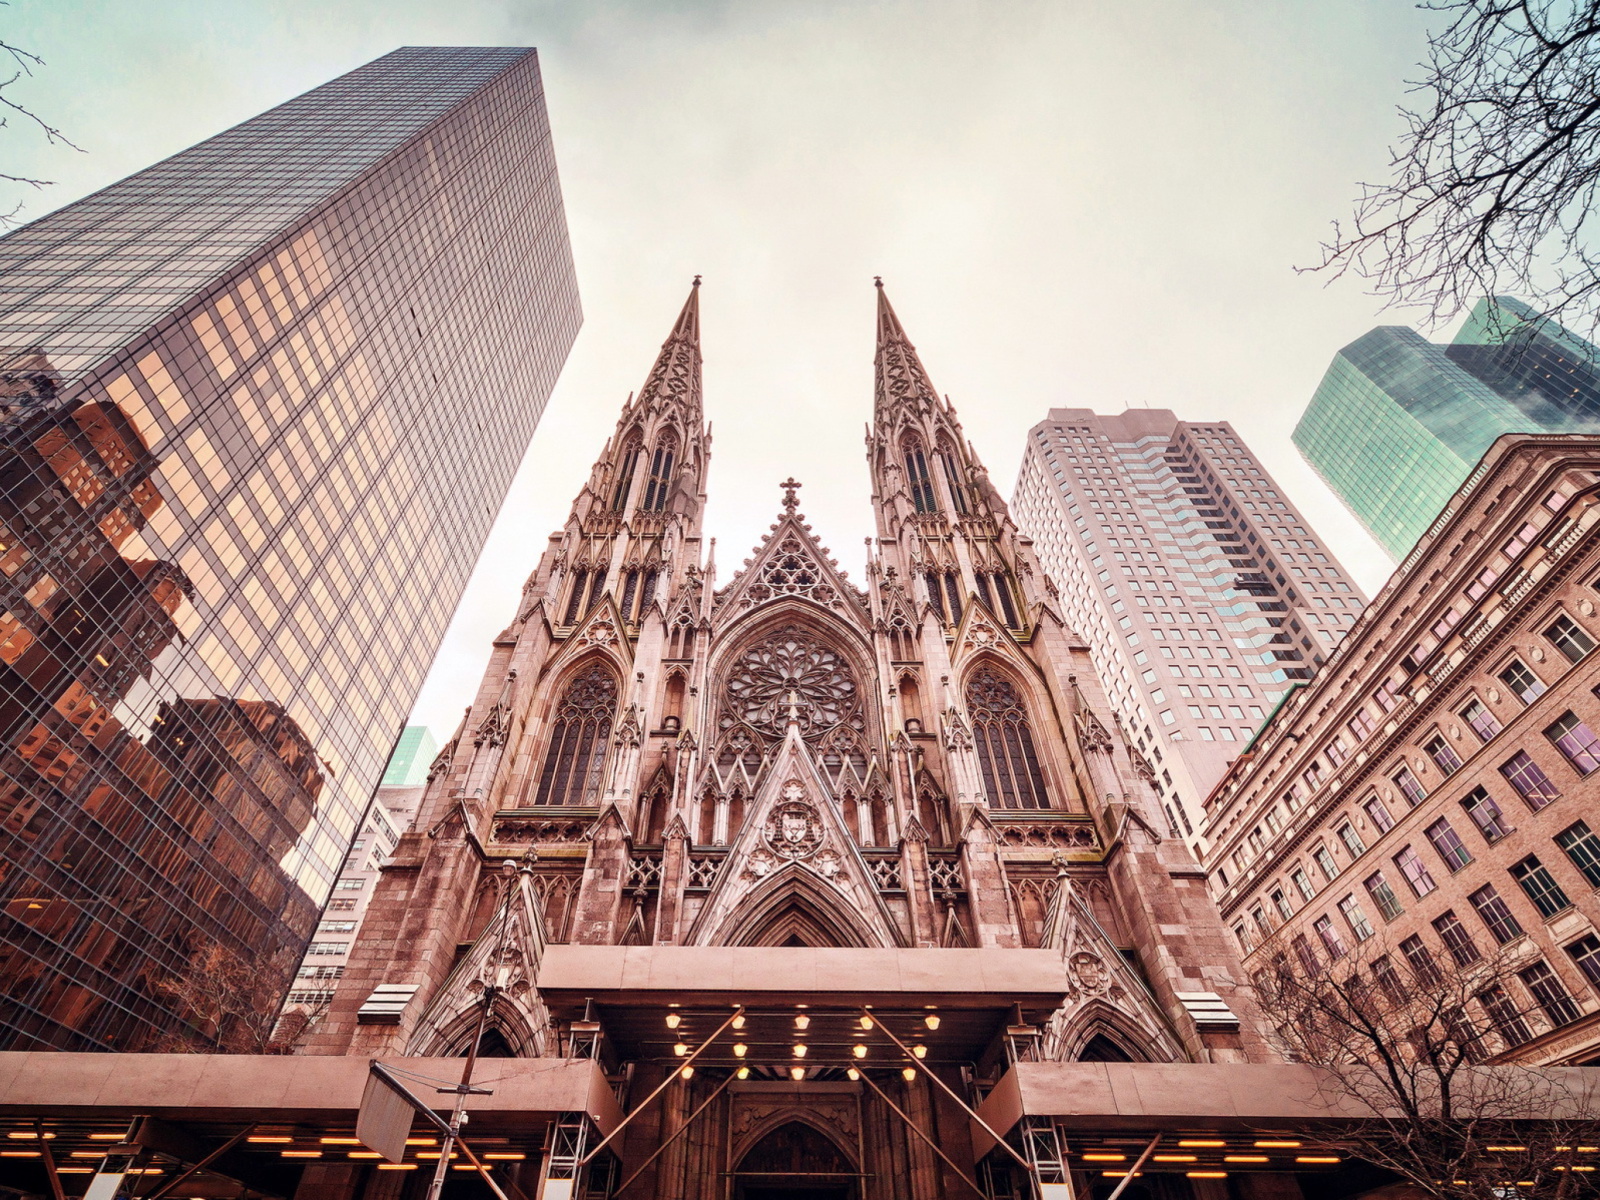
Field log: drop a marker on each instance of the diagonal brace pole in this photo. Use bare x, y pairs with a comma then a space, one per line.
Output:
1134, 1170
949, 1091
671, 1075
676, 1134
911, 1125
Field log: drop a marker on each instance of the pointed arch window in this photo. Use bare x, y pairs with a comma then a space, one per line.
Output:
921, 483
953, 480
655, 491
936, 594
952, 591
630, 460
639, 585
575, 597
575, 760
1004, 741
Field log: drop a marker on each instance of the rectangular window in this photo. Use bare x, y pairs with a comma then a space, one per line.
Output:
337, 927
1387, 978
1259, 916
1415, 873
1567, 636
1449, 845
1306, 955
1456, 939
1583, 848
1483, 722
1302, 881
1541, 886
1585, 953
1330, 869
1577, 741
1485, 814
1524, 684
1501, 922
1381, 819
1550, 994
1444, 754
1281, 903
1409, 787
1350, 907
350, 885
1330, 937
327, 947
1420, 959
1383, 896
1529, 779
1352, 841
1503, 1015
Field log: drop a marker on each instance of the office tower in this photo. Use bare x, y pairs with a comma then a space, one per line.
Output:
260, 403
1429, 799
801, 794
413, 753
1199, 586
1398, 422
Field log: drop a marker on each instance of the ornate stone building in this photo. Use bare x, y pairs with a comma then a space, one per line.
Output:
793, 815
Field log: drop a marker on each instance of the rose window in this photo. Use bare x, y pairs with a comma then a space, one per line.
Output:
791, 667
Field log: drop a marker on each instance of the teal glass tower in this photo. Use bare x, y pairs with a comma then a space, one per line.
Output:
1398, 422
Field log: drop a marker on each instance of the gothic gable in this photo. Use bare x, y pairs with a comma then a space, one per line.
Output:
794, 861
791, 563
506, 955
1104, 994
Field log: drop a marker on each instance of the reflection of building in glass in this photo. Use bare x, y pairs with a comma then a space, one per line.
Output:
260, 404
1398, 422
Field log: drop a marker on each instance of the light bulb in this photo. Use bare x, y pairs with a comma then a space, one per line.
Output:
797, 1073
908, 1074
738, 1049
799, 1049
920, 1051
672, 1020
931, 1020
687, 1073
738, 1022
866, 1022
680, 1049
801, 1021
853, 1073
743, 1073
859, 1051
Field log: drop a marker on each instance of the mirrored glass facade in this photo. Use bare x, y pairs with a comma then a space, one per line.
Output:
259, 406
1399, 422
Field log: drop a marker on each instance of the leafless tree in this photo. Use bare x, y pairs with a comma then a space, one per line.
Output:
1423, 1047
17, 64
230, 1002
1493, 186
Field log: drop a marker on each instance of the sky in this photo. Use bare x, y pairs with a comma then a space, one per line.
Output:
1086, 204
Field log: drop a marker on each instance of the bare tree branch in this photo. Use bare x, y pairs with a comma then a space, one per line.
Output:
1494, 184
24, 62
1413, 1042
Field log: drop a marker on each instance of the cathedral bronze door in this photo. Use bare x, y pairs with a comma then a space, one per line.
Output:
795, 1162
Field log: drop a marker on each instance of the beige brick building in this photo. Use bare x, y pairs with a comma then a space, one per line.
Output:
1434, 785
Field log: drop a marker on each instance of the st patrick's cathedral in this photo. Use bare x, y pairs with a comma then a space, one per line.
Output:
809, 866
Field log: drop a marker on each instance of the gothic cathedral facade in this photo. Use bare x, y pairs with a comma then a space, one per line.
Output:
785, 766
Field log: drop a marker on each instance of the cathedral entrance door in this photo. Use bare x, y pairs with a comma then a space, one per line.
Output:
795, 1162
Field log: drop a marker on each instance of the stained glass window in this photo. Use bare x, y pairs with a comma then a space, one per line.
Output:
574, 763
1011, 773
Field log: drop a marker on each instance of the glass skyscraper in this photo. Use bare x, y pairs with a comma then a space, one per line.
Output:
259, 405
1399, 422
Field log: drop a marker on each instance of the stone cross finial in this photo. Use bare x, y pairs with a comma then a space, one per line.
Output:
790, 498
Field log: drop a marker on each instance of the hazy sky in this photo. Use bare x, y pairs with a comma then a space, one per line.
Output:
1086, 204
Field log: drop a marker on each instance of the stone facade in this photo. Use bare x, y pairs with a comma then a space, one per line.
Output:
1431, 792
707, 788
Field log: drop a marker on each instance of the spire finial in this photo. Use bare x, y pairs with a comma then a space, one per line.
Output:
791, 499
877, 281
697, 281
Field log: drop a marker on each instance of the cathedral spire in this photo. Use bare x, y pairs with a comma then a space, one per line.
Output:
899, 378
675, 378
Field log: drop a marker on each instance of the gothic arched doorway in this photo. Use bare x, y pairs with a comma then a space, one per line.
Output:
795, 1162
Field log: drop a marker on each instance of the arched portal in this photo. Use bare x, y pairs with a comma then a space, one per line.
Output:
795, 1161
